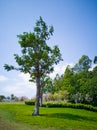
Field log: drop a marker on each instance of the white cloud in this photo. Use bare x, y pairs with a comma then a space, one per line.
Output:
3, 78
20, 86
60, 69
20, 90
93, 66
24, 77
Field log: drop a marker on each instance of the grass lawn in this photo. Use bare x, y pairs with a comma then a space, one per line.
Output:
18, 117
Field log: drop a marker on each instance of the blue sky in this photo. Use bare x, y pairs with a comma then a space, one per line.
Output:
75, 32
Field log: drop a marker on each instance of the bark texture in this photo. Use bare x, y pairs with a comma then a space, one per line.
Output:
36, 110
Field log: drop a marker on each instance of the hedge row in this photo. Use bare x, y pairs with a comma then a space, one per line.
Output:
64, 105
70, 105
30, 102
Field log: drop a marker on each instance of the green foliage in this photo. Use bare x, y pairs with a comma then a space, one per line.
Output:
30, 102
79, 82
2, 97
46, 84
69, 105
37, 57
83, 64
8, 68
56, 96
58, 83
81, 87
95, 59
60, 104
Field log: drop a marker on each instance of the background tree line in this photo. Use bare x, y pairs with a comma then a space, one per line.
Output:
77, 84
12, 98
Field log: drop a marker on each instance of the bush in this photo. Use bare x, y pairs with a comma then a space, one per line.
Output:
30, 102
70, 105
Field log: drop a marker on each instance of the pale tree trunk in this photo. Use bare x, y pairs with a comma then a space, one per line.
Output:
41, 100
36, 110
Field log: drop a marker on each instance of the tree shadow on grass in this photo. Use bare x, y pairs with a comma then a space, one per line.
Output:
69, 116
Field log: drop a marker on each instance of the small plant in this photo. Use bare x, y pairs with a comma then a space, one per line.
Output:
30, 102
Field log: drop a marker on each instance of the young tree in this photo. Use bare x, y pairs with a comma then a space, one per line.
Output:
46, 86
37, 57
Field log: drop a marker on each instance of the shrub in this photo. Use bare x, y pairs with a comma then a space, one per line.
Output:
30, 102
70, 105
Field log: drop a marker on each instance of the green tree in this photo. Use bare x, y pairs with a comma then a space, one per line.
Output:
12, 97
95, 60
94, 72
37, 57
91, 89
46, 86
2, 97
68, 72
74, 81
57, 83
83, 64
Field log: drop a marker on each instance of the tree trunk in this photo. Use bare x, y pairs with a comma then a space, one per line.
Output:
41, 100
36, 110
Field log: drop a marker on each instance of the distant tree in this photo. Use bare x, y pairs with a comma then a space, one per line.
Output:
2, 97
68, 72
23, 98
56, 83
37, 57
12, 97
91, 89
94, 72
46, 86
8, 98
75, 79
83, 64
95, 60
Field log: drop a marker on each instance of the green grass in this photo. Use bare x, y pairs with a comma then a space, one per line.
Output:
18, 117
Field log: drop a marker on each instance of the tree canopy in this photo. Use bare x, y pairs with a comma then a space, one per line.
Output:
83, 64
